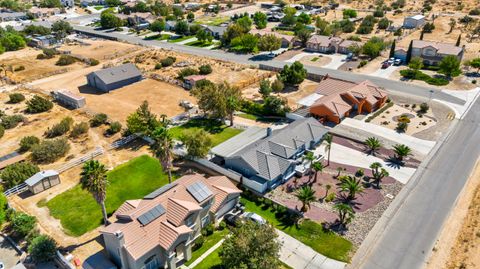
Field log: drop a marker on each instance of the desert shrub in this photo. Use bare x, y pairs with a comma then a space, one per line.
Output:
115, 127
2, 131
38, 104
93, 62
205, 69
187, 72
60, 128
158, 66
403, 118
16, 98
19, 68
49, 53
79, 129
27, 142
23, 223
98, 120
401, 127
17, 173
11, 121
424, 108
167, 61
42, 248
65, 60
362, 63
330, 197
49, 151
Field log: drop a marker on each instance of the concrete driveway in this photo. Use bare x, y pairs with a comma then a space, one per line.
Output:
8, 255
385, 73
337, 59
299, 256
349, 156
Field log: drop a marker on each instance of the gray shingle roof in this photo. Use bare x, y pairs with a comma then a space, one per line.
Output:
271, 156
236, 143
39, 176
118, 73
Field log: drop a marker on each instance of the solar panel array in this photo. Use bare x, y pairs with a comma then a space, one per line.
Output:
151, 215
199, 191
9, 156
160, 190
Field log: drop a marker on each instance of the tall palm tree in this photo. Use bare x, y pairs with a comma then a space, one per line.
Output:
329, 139
378, 173
93, 178
317, 167
306, 195
352, 186
401, 151
373, 144
345, 213
162, 148
309, 157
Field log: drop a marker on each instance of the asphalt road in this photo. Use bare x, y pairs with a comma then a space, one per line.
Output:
411, 230
390, 85
8, 255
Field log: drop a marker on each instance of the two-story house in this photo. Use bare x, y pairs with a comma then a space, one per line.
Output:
330, 44
272, 159
158, 231
433, 52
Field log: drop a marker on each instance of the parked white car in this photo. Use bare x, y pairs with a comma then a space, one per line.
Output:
254, 217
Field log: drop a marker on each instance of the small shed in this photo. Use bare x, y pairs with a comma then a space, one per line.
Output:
69, 99
43, 180
413, 22
190, 81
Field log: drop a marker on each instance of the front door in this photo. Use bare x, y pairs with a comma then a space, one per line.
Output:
179, 252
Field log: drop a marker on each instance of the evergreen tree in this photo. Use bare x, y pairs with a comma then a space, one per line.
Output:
392, 49
458, 40
409, 52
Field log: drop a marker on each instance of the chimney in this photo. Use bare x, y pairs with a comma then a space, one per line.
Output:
269, 131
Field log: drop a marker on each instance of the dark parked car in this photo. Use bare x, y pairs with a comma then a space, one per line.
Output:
385, 65
231, 219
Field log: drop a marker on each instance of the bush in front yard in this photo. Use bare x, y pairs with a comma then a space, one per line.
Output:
60, 128
27, 142
98, 120
208, 230
66, 60
23, 223
50, 150
16, 98
42, 248
17, 173
38, 104
198, 243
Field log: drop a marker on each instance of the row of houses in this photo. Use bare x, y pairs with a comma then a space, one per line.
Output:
330, 44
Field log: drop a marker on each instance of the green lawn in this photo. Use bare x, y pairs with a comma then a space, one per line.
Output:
308, 232
314, 59
219, 132
79, 213
98, 7
210, 241
180, 39
200, 44
158, 37
216, 21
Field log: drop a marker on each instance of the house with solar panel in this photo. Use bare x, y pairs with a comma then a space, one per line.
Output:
267, 158
159, 230
112, 78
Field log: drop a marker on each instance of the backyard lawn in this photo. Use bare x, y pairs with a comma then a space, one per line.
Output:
219, 131
79, 213
180, 39
308, 232
198, 43
210, 241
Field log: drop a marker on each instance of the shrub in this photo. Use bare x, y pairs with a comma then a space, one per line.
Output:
360, 172
32, 235
402, 127
362, 63
38, 104
198, 243
22, 223
17, 173
167, 61
79, 129
474, 12
11, 121
98, 120
2, 131
115, 127
42, 248
27, 142
403, 118
48, 53
93, 62
205, 69
65, 60
50, 150
330, 197
222, 225
208, 230
187, 72
16, 98
60, 128
158, 66
424, 108
277, 86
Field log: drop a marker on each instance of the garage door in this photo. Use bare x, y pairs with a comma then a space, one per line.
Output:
227, 207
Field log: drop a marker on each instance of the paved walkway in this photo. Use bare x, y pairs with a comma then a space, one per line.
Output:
469, 97
349, 156
299, 256
204, 255
420, 145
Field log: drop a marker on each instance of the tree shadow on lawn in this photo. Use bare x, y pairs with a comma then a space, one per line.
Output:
209, 125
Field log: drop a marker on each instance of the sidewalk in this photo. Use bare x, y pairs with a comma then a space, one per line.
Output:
299, 256
204, 255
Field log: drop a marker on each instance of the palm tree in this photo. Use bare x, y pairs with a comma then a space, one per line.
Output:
317, 167
378, 173
373, 144
352, 186
306, 195
162, 148
327, 188
309, 157
401, 151
345, 213
93, 178
328, 147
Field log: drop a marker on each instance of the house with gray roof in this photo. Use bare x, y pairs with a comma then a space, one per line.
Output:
114, 77
216, 31
272, 159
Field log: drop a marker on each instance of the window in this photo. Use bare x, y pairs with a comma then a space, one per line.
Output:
189, 221
207, 203
205, 220
151, 263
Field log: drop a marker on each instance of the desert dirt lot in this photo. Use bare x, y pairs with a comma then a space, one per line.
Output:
100, 49
459, 242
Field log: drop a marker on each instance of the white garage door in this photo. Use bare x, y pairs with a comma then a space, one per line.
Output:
227, 207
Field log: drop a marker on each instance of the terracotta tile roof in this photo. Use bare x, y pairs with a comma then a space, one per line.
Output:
164, 230
289, 38
323, 40
442, 48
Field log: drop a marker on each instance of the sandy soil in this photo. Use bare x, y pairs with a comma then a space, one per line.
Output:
306, 88
458, 245
416, 124
319, 62
100, 49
